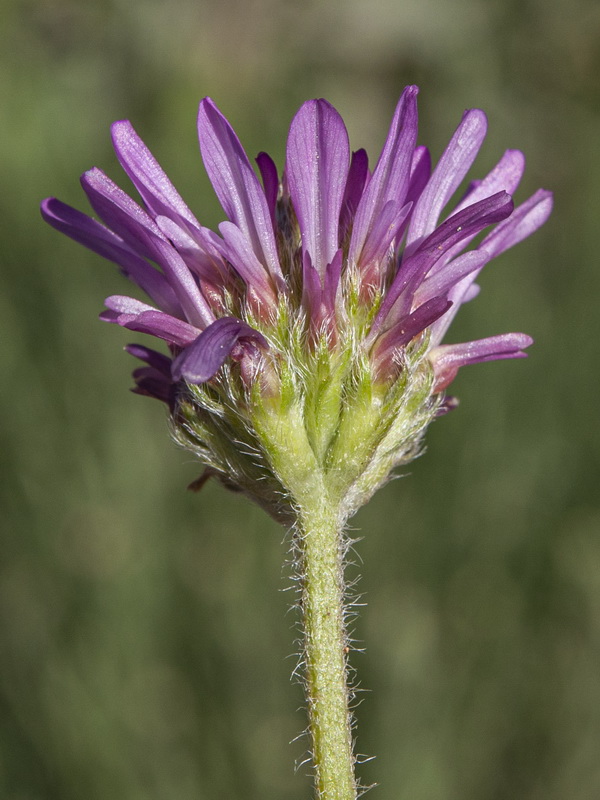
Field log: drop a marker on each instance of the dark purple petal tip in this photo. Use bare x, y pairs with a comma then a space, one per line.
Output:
153, 358
201, 361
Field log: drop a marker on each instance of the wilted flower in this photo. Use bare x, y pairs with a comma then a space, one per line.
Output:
308, 334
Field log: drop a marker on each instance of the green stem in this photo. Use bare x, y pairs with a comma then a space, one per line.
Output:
321, 554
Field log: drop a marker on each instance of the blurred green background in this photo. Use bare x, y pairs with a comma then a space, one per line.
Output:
144, 633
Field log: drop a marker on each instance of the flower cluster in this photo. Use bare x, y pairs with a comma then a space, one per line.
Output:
327, 290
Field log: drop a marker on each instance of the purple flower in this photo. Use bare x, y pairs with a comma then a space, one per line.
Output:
337, 250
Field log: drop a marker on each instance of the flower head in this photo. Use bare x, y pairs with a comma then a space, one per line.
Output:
322, 302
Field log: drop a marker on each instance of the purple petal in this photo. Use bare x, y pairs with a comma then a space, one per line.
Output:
471, 293
392, 173
462, 292
448, 174
155, 323
441, 281
152, 383
463, 225
420, 170
156, 190
505, 176
202, 360
319, 298
414, 269
192, 301
270, 179
101, 240
201, 258
131, 222
238, 250
385, 230
333, 274
448, 358
312, 290
122, 214
84, 229
126, 305
525, 219
358, 174
413, 324
386, 353
130, 313
318, 154
158, 361
236, 185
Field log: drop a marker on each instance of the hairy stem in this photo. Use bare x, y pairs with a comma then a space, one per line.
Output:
321, 549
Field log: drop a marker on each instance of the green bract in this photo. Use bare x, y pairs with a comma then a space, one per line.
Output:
311, 414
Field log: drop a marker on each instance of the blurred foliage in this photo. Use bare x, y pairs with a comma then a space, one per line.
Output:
144, 631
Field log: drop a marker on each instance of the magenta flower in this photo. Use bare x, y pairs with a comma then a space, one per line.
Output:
305, 338
329, 229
